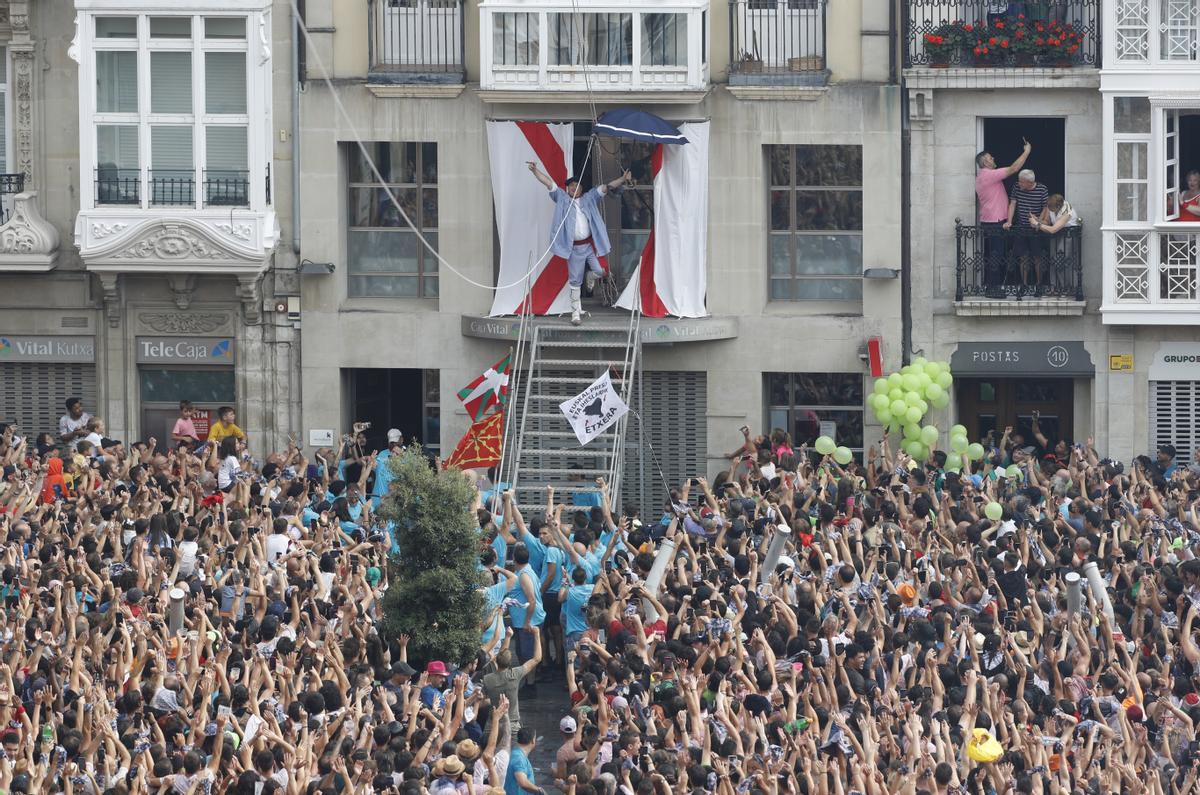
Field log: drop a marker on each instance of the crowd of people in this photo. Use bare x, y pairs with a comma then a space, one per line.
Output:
189, 618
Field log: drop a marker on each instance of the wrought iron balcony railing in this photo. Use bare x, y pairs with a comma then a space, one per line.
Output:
10, 185
415, 41
776, 41
1002, 33
993, 262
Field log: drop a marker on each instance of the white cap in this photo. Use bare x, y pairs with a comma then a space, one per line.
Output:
567, 725
394, 435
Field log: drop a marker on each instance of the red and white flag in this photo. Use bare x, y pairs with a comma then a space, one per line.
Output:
525, 214
671, 278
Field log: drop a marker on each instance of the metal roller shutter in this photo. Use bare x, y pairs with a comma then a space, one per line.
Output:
34, 395
673, 406
1175, 415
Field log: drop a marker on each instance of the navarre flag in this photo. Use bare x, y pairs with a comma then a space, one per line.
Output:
594, 409
488, 390
525, 215
480, 446
671, 277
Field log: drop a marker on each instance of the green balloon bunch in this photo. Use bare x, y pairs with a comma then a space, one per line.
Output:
902, 399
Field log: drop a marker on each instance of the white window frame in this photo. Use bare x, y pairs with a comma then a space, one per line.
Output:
6, 166
256, 120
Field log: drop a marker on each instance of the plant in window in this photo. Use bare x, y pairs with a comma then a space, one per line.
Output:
1023, 42
943, 42
1061, 43
991, 44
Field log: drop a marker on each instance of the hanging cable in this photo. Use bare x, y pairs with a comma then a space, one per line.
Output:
315, 54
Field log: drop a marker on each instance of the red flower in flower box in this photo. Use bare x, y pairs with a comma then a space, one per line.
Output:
999, 25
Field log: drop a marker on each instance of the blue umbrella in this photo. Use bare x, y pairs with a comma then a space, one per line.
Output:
639, 126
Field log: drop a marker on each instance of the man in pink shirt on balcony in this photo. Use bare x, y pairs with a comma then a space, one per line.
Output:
993, 211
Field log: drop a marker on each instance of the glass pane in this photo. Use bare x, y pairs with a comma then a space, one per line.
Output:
116, 27
225, 148
778, 389
383, 286
429, 163
1131, 114
828, 255
116, 82
1028, 391
828, 389
210, 385
781, 210
373, 207
818, 210
777, 418
116, 146
170, 82
224, 27
987, 391
396, 162
1131, 201
632, 246
637, 208
378, 251
429, 287
779, 159
664, 39
433, 425
4, 65
433, 391
170, 27
828, 166
429, 209
828, 289
171, 148
595, 39
780, 254
781, 289
1131, 160
806, 426
225, 82
514, 39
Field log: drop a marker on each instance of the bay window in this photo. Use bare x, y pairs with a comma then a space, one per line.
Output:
170, 122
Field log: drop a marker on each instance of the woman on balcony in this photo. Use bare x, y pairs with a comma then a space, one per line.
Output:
1189, 200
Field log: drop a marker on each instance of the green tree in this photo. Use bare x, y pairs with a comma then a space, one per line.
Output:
434, 596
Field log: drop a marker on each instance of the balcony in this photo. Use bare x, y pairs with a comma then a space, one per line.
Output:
1152, 277
616, 50
415, 42
1035, 43
1018, 271
157, 220
28, 243
777, 42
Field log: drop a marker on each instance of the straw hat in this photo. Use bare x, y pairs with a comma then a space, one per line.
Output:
452, 766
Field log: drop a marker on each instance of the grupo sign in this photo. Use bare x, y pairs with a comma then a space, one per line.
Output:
185, 350
1176, 361
47, 348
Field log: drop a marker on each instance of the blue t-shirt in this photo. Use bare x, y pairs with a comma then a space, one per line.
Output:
555, 556
518, 762
492, 597
537, 555
430, 695
383, 478
586, 499
574, 606
517, 612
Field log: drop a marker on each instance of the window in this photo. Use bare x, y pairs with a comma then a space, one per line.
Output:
664, 39
385, 257
185, 139
808, 405
1179, 30
1175, 415
592, 39
815, 238
514, 38
404, 399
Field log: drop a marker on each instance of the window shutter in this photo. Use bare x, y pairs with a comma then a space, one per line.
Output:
170, 82
674, 426
225, 82
226, 148
1175, 415
117, 146
34, 394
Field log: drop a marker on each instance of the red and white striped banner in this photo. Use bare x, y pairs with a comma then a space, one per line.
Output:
671, 278
525, 213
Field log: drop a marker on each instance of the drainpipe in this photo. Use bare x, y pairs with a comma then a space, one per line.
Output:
905, 210
297, 79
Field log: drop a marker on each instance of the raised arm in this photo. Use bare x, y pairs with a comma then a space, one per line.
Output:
542, 177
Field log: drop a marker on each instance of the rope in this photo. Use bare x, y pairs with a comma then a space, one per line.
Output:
315, 53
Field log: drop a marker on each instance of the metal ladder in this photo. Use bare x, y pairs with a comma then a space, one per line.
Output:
562, 360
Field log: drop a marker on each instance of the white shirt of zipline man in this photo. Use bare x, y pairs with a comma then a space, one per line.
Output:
594, 409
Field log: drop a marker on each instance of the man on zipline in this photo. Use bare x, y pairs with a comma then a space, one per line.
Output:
582, 239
